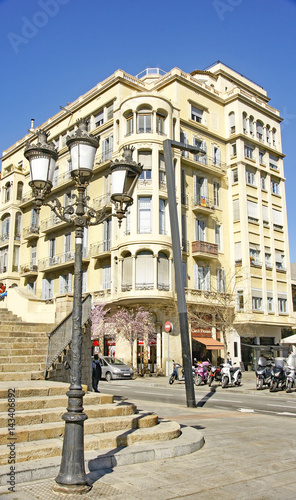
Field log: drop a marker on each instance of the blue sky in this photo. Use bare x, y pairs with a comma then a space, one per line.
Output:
52, 51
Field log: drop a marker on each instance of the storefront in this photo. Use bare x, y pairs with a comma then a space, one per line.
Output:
204, 346
151, 354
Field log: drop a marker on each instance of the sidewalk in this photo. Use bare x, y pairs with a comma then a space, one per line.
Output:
245, 456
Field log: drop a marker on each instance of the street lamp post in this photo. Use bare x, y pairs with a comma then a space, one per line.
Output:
124, 174
182, 308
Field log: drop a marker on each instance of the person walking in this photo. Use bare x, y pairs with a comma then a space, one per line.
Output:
96, 372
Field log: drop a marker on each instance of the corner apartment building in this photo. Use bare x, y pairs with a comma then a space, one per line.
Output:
231, 208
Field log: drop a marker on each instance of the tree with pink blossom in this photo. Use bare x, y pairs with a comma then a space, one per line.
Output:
99, 326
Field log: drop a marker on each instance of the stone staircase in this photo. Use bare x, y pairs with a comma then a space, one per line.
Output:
23, 348
115, 432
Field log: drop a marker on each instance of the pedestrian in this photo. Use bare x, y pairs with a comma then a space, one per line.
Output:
3, 292
96, 372
228, 359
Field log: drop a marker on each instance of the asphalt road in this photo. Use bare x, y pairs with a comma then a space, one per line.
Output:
244, 399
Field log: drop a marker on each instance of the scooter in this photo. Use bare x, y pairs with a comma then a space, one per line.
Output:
201, 373
215, 374
230, 375
263, 375
290, 378
175, 374
278, 375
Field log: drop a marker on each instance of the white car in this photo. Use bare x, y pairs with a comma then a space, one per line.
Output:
113, 368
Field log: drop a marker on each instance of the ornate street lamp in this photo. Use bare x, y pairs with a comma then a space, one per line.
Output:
124, 175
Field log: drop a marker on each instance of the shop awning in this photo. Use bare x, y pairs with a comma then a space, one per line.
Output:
210, 343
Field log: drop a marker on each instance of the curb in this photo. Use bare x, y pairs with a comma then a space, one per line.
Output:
189, 441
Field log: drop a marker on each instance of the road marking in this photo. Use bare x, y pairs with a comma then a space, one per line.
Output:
281, 406
246, 410
227, 400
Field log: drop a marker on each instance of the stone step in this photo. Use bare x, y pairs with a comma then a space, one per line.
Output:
54, 430
18, 376
26, 327
10, 351
27, 451
41, 389
25, 342
34, 402
17, 359
20, 367
7, 334
43, 416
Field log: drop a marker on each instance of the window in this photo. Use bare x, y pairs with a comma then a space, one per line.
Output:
107, 277
5, 228
145, 158
274, 137
184, 232
250, 177
162, 271
240, 300
144, 122
265, 214
34, 255
7, 192
268, 134
238, 251
275, 187
282, 305
263, 182
16, 258
253, 214
160, 123
279, 261
245, 123
231, 117
257, 300
67, 246
56, 142
218, 236
216, 189
47, 288
249, 152
162, 216
196, 114
19, 192
273, 163
65, 283
67, 199
99, 118
268, 263
183, 187
52, 251
234, 175
144, 270
56, 176
200, 228
277, 218
64, 137
34, 219
162, 173
130, 124
261, 157
18, 226
221, 280
184, 140
127, 272
233, 149
144, 215
203, 146
31, 286
107, 147
109, 111
107, 235
270, 307
3, 259
255, 256
251, 125
201, 191
216, 155
202, 278
259, 130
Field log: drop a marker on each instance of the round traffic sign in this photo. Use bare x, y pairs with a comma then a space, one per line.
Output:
168, 326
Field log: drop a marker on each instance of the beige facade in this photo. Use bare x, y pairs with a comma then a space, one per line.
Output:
231, 208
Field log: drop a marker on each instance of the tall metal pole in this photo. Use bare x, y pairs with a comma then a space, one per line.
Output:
72, 476
182, 308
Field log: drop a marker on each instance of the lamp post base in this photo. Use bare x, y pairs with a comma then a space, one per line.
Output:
71, 489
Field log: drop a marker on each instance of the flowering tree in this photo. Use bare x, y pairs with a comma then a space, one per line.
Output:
132, 324
99, 324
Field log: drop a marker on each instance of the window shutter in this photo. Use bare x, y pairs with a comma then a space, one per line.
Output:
265, 213
238, 251
44, 289
127, 271
62, 283
145, 158
106, 277
163, 271
252, 209
277, 217
144, 269
207, 279
236, 211
203, 159
144, 215
196, 276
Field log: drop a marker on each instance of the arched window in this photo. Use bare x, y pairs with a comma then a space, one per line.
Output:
251, 125
5, 227
162, 271
268, 134
144, 270
232, 123
127, 272
274, 137
7, 192
144, 120
259, 130
17, 226
19, 192
245, 123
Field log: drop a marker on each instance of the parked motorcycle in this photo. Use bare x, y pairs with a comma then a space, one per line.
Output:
230, 375
263, 373
201, 372
278, 375
290, 372
215, 374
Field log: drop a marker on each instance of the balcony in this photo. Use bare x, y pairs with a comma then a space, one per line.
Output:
4, 237
30, 269
100, 250
51, 224
31, 232
204, 249
102, 201
61, 260
202, 204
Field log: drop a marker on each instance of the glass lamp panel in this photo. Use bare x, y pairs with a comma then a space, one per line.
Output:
118, 181
51, 169
39, 170
82, 156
